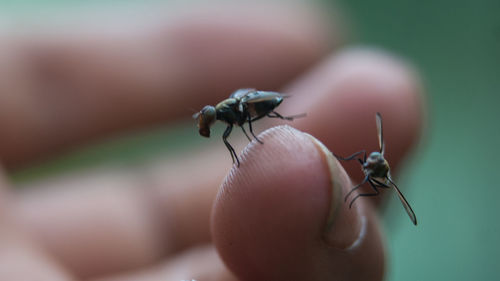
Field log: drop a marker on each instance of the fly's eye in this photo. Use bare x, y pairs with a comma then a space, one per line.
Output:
206, 117
208, 113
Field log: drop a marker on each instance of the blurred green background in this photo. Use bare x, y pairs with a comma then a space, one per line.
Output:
451, 182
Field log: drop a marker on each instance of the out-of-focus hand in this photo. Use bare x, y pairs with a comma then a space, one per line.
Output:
280, 216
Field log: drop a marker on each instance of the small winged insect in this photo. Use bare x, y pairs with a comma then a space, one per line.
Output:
242, 106
377, 172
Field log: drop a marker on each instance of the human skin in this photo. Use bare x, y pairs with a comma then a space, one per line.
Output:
275, 217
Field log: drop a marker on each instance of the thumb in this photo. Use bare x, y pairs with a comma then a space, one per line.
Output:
280, 216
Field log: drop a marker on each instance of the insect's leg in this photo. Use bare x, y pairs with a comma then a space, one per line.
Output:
229, 147
276, 115
379, 183
249, 119
289, 118
366, 194
351, 157
245, 132
257, 118
356, 187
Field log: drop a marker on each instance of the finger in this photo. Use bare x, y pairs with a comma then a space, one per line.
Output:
155, 211
345, 92
112, 220
281, 216
60, 90
18, 252
200, 263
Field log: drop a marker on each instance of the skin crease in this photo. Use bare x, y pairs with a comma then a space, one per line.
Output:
155, 221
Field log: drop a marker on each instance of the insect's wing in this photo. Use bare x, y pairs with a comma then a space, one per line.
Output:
381, 145
238, 94
260, 96
405, 203
196, 115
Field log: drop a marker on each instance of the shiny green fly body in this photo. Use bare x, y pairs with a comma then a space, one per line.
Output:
242, 106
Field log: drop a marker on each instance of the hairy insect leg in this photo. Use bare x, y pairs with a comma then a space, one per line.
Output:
356, 187
226, 134
353, 156
249, 119
366, 194
289, 118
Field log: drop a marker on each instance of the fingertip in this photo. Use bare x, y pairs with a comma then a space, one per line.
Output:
263, 211
279, 215
342, 95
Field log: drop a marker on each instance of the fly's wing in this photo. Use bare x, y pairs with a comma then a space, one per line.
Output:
260, 96
405, 203
238, 94
381, 145
196, 115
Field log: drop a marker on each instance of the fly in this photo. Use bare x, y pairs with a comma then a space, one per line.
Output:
242, 106
377, 172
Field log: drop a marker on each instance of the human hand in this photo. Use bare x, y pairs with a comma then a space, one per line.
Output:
270, 218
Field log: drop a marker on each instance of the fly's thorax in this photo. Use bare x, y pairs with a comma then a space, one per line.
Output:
376, 165
227, 104
228, 111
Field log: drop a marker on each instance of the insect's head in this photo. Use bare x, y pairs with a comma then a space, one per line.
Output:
206, 117
374, 159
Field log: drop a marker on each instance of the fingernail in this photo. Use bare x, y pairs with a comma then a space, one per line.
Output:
344, 226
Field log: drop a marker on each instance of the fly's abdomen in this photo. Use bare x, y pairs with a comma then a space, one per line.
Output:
263, 107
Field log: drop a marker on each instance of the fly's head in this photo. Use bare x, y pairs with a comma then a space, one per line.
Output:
376, 165
206, 118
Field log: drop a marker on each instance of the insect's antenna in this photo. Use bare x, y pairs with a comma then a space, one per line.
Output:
381, 145
196, 112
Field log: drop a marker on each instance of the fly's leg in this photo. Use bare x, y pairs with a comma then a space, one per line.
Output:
366, 194
380, 184
351, 157
229, 147
245, 132
257, 118
354, 188
289, 118
251, 129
